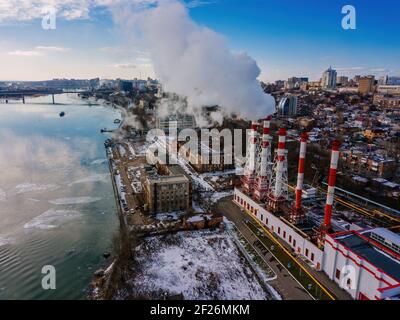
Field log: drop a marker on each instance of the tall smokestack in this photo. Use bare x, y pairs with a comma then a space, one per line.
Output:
280, 163
266, 129
331, 185
263, 169
300, 174
279, 180
263, 172
250, 167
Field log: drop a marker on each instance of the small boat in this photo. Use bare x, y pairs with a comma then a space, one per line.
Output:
117, 121
62, 114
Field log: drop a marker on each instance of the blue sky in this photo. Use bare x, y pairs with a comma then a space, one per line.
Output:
286, 37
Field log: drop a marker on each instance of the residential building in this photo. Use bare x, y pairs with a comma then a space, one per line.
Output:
385, 101
369, 164
366, 85
389, 89
342, 80
374, 133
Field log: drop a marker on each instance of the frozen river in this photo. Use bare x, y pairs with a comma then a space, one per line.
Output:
56, 199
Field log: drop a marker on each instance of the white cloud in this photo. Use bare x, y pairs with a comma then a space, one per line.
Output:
38, 51
26, 10
125, 65
379, 70
25, 53
198, 3
52, 49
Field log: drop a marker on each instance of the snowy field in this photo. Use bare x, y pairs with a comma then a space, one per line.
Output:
200, 265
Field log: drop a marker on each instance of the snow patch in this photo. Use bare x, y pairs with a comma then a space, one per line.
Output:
201, 265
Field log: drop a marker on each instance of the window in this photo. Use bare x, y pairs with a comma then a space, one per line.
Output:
294, 242
262, 217
290, 239
279, 230
348, 283
337, 274
306, 252
284, 234
312, 256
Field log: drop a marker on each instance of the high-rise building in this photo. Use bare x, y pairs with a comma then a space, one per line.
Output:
329, 79
366, 84
287, 105
383, 80
342, 80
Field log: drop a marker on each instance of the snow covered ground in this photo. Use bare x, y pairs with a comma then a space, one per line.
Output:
199, 264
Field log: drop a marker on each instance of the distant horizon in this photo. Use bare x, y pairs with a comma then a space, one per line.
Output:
155, 78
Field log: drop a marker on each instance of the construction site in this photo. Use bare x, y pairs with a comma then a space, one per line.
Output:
360, 254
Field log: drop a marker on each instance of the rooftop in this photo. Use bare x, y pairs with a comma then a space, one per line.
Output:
371, 252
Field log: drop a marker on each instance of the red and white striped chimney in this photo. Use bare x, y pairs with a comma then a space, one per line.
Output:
280, 160
300, 174
266, 130
250, 167
331, 185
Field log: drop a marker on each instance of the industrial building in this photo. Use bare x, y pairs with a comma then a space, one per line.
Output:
166, 193
365, 263
206, 158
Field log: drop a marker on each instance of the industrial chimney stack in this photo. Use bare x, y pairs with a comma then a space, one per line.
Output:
250, 167
331, 187
279, 183
263, 164
298, 212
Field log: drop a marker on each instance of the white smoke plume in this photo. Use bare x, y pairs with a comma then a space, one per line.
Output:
194, 61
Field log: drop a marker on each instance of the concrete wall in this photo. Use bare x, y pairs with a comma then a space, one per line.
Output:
284, 231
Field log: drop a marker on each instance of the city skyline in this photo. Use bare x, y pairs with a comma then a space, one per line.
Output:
285, 39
